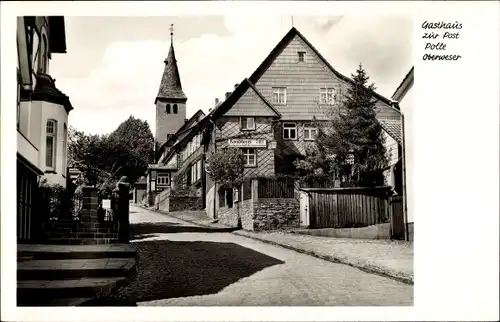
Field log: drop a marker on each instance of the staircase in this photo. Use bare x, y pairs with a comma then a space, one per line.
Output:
71, 275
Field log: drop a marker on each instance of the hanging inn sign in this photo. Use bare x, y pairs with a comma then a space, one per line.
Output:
247, 143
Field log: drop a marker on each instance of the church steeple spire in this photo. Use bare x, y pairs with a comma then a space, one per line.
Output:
170, 86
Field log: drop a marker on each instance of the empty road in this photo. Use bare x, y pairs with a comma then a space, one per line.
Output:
185, 265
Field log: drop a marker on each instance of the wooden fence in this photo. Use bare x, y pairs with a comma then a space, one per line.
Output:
270, 188
347, 207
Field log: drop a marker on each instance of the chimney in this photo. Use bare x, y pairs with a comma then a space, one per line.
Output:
216, 101
185, 120
227, 94
236, 85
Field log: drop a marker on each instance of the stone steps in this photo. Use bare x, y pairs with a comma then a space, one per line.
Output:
33, 292
55, 252
65, 275
74, 268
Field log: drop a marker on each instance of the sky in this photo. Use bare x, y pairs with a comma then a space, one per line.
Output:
114, 65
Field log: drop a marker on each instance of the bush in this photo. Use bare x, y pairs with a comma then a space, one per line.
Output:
55, 202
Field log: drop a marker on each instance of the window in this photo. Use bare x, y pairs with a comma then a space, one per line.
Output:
175, 109
199, 169
194, 172
168, 108
50, 144
327, 96
289, 131
310, 132
64, 152
301, 55
250, 157
42, 67
163, 179
279, 95
35, 42
247, 123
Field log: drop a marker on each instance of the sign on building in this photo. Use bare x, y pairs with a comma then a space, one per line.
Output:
247, 143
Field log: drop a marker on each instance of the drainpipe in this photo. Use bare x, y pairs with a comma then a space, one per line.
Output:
215, 183
403, 168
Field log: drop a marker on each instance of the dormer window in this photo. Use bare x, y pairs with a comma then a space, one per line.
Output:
168, 108
301, 56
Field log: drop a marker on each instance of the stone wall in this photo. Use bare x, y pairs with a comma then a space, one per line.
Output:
272, 214
246, 214
185, 203
228, 216
263, 214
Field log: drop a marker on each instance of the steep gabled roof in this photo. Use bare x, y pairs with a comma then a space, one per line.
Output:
236, 95
403, 88
170, 86
283, 43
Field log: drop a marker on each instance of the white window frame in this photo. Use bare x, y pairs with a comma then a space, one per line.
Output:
163, 179
199, 169
327, 95
247, 128
64, 146
288, 129
276, 95
35, 49
303, 53
53, 136
310, 129
247, 152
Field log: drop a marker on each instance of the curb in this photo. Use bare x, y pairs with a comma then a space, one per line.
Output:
371, 270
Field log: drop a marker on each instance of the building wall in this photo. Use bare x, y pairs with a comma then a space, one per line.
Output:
28, 150
406, 106
168, 123
229, 127
303, 81
55, 112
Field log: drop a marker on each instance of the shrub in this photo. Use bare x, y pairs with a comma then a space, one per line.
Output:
55, 202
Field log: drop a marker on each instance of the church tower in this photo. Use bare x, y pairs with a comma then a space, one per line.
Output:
171, 100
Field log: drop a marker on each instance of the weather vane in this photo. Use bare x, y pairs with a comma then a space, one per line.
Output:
171, 32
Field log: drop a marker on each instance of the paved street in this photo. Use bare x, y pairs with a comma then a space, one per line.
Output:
182, 264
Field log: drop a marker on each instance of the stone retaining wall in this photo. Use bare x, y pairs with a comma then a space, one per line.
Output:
273, 214
261, 214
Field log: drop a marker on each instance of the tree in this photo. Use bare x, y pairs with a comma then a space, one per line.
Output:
350, 145
103, 159
133, 144
226, 166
